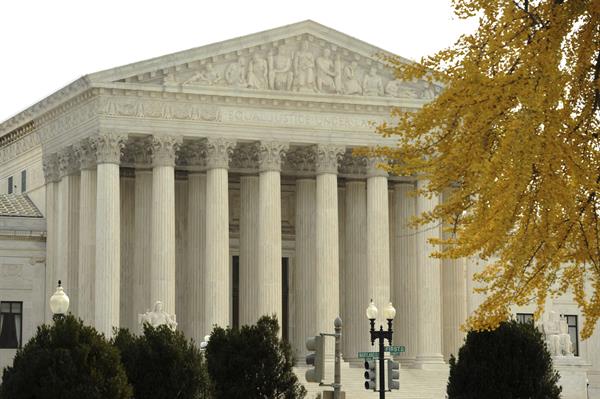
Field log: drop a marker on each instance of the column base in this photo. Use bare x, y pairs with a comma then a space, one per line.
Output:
429, 362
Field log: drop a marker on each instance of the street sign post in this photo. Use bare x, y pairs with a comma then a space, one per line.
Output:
395, 350
368, 355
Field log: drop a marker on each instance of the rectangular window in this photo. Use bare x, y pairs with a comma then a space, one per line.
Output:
10, 185
11, 324
23, 181
573, 332
525, 317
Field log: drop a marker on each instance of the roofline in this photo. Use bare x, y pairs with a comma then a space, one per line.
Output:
87, 81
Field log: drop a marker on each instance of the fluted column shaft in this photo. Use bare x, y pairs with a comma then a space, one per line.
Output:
143, 237
378, 240
217, 277
108, 233
68, 226
269, 229
404, 272
162, 270
327, 240
87, 244
249, 202
356, 334
195, 251
454, 301
127, 316
304, 266
50, 166
429, 329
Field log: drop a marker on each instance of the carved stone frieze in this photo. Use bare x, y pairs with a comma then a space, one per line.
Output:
301, 64
14, 148
140, 108
50, 167
327, 157
85, 154
300, 160
163, 149
271, 155
108, 147
218, 152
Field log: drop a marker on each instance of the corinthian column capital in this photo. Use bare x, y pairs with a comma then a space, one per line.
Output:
163, 149
218, 152
374, 166
271, 155
67, 161
108, 147
327, 157
86, 154
50, 166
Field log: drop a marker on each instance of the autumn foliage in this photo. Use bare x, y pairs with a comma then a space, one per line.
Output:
513, 140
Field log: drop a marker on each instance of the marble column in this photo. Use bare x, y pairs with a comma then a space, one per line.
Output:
108, 233
378, 240
326, 235
249, 194
87, 231
429, 328
356, 334
143, 236
162, 266
127, 316
269, 229
216, 286
182, 272
304, 265
50, 166
196, 254
454, 301
404, 272
68, 225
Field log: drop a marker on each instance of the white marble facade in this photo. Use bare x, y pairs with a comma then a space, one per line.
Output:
192, 178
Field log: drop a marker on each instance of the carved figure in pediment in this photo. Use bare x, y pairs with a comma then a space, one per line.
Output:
337, 66
257, 73
208, 77
281, 75
235, 74
170, 79
325, 72
428, 91
372, 83
304, 69
351, 84
396, 88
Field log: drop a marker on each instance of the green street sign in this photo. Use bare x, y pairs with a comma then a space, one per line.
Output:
368, 355
395, 349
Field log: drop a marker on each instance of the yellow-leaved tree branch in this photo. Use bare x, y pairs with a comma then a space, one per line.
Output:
513, 142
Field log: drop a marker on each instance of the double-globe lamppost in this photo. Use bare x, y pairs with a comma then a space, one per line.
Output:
59, 302
389, 312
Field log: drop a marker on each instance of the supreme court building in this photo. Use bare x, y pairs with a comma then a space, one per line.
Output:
220, 180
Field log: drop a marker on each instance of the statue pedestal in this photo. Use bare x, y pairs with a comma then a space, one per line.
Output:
573, 376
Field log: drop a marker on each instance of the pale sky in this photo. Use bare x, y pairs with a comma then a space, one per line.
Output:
46, 44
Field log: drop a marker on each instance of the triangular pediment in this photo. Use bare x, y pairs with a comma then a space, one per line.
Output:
305, 57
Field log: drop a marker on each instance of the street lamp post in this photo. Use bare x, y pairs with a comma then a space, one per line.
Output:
59, 302
389, 312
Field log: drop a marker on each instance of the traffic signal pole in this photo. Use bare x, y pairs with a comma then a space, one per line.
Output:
337, 372
381, 337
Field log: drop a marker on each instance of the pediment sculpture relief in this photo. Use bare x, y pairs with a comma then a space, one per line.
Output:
301, 66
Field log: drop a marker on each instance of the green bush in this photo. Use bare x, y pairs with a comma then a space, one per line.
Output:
252, 363
66, 360
508, 362
162, 364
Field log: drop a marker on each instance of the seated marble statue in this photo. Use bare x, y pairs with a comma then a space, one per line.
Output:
158, 317
556, 333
